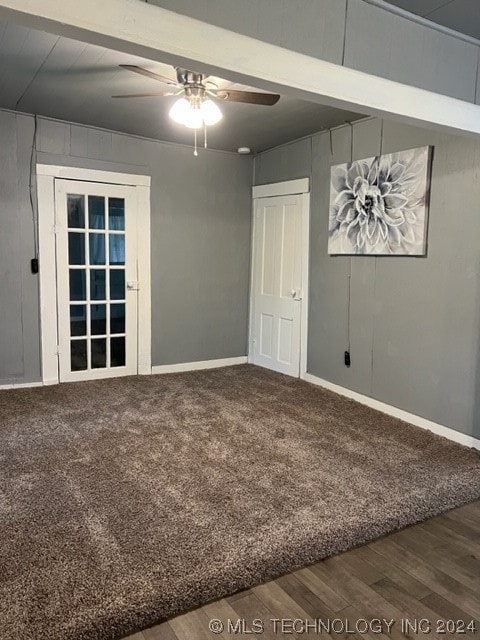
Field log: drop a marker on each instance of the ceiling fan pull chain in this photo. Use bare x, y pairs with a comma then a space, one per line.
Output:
195, 153
205, 134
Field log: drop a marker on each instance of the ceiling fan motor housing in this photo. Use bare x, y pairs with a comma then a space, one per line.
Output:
194, 92
186, 77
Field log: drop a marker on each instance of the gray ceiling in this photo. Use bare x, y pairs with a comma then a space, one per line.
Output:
460, 15
61, 78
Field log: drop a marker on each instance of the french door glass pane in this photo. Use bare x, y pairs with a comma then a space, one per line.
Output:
117, 284
116, 214
96, 212
97, 284
76, 211
117, 352
78, 355
99, 353
117, 318
97, 248
78, 286
78, 320
98, 319
117, 248
76, 248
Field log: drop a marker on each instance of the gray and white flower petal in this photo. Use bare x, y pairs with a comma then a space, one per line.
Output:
378, 204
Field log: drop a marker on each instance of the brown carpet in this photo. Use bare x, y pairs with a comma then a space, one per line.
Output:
123, 501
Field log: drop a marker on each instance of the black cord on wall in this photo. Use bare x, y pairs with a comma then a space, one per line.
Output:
349, 303
345, 33
31, 186
349, 277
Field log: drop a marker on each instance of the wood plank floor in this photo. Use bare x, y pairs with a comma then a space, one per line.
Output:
427, 574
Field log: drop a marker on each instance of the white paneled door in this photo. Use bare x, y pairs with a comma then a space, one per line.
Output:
96, 258
277, 287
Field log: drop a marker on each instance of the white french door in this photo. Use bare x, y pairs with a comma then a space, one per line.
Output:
97, 284
277, 283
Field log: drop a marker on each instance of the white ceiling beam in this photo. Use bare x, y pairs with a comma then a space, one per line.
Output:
148, 31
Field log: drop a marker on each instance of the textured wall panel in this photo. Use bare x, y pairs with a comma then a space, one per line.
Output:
287, 162
393, 47
427, 324
313, 27
415, 322
11, 339
200, 224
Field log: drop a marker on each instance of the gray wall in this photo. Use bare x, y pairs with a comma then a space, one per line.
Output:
201, 210
354, 33
415, 322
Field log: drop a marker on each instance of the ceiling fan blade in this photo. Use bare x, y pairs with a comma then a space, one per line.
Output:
250, 97
146, 72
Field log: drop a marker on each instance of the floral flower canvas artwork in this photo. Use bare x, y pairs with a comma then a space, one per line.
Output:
379, 205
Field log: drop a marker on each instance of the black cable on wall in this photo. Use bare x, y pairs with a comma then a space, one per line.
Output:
349, 302
31, 187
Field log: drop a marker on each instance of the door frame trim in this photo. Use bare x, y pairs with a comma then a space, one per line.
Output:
286, 188
46, 175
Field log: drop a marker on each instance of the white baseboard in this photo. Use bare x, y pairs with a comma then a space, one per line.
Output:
423, 423
20, 385
164, 368
197, 366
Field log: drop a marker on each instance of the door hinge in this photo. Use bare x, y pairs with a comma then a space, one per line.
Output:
57, 350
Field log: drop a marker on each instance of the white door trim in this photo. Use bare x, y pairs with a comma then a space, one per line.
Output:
46, 175
289, 187
305, 279
93, 175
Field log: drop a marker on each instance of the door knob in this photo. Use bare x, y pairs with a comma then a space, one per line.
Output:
296, 294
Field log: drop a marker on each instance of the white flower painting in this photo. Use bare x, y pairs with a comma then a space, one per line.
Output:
379, 206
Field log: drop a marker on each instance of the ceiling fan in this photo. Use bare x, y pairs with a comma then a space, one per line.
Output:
196, 108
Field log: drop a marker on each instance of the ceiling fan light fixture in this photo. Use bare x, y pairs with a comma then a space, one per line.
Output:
193, 118
194, 115
211, 114
183, 112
